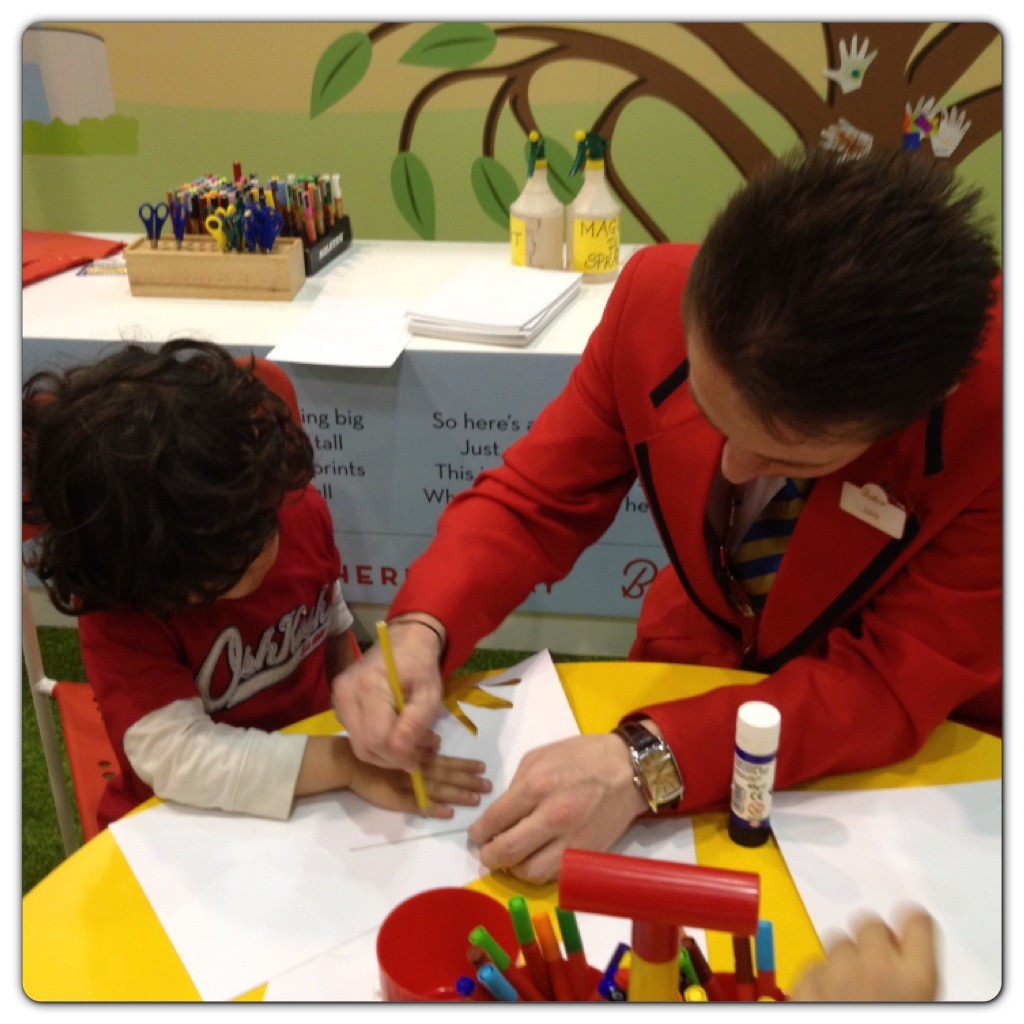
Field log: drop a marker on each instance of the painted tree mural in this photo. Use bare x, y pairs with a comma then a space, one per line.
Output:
883, 85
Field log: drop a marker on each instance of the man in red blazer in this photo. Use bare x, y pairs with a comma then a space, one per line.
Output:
840, 325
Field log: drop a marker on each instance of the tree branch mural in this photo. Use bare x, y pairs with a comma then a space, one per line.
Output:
880, 86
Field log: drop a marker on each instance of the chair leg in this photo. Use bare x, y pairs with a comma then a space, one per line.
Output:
55, 770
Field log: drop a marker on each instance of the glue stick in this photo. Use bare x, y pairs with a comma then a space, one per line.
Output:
753, 774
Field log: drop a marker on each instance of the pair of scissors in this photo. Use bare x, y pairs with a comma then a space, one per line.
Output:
153, 219
179, 219
226, 228
262, 226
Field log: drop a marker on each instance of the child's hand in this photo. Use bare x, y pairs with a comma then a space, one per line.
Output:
449, 780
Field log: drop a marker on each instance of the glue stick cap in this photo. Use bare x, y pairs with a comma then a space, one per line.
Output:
757, 728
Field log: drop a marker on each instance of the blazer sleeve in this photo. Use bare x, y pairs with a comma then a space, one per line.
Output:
526, 521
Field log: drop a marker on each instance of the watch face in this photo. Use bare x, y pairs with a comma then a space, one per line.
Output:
662, 776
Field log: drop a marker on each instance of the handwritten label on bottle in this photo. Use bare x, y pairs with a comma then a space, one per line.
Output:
517, 235
595, 245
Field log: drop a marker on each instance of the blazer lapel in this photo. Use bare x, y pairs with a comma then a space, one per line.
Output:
833, 558
676, 468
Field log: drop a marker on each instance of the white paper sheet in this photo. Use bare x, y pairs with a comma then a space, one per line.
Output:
244, 899
341, 331
349, 973
539, 714
873, 850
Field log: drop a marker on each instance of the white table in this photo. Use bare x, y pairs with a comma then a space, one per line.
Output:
393, 445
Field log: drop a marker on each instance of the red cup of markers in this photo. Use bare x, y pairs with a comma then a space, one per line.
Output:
422, 944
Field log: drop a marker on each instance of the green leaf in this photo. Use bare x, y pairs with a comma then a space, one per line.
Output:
495, 189
413, 192
339, 70
452, 45
562, 183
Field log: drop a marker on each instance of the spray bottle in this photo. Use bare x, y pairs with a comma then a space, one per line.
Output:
537, 217
592, 220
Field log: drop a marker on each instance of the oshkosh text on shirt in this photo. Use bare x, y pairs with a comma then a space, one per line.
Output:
280, 650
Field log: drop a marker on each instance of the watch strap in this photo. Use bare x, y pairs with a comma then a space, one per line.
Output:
641, 741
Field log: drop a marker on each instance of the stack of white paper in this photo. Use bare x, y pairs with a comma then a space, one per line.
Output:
502, 305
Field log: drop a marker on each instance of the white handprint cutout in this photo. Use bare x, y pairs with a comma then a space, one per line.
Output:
846, 139
853, 64
953, 125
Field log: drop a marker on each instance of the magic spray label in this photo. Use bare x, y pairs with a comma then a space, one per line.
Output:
595, 245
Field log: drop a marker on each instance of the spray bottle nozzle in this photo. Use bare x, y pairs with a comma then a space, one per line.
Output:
589, 146
536, 154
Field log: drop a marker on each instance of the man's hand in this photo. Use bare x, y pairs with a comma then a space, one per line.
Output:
877, 964
578, 792
365, 706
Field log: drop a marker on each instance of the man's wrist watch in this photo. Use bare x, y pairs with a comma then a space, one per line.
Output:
655, 772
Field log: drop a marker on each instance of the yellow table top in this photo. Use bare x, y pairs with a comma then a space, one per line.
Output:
89, 933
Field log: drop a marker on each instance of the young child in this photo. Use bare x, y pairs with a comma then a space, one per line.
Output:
178, 521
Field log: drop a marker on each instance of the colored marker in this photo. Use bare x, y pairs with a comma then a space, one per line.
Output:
553, 957
535, 962
308, 213
419, 787
764, 953
483, 940
339, 209
687, 973
495, 982
704, 972
746, 990
608, 990
694, 994
465, 987
576, 960
616, 958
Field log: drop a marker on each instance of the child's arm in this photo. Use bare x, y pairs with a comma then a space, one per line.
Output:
185, 756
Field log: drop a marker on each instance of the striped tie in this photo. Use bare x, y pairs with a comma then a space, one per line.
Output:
757, 559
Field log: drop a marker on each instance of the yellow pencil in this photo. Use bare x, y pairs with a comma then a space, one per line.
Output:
418, 786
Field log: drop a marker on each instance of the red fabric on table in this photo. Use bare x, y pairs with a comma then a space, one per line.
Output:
45, 253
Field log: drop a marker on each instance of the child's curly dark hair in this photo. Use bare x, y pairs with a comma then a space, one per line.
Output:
157, 476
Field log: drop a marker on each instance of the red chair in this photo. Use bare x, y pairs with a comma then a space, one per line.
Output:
90, 756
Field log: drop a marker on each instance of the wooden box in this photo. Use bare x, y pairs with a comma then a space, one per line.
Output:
199, 270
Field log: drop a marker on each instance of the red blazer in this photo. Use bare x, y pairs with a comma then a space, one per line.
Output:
869, 642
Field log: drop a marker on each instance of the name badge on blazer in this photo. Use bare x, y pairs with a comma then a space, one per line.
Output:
870, 505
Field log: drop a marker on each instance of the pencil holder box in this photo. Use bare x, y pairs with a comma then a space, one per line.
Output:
199, 270
319, 253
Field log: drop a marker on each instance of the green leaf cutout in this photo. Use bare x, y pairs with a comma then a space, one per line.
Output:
495, 189
562, 183
339, 70
455, 45
413, 192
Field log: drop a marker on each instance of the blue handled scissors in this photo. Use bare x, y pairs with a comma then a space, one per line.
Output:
271, 225
179, 220
153, 219
262, 226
